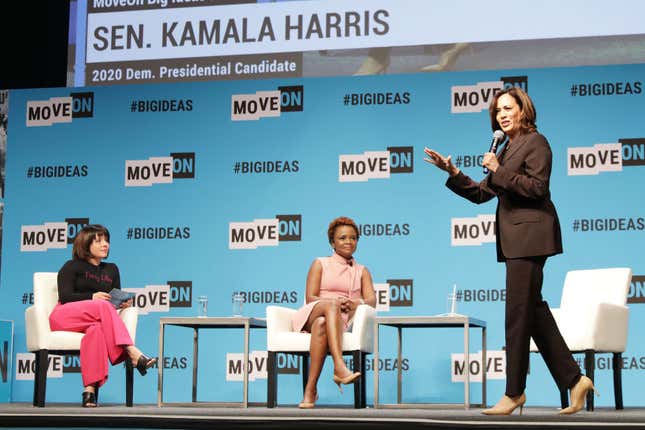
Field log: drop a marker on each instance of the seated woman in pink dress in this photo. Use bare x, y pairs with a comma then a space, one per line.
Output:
84, 306
336, 285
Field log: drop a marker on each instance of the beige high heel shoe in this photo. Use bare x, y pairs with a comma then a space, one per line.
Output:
507, 405
308, 405
578, 395
349, 379
376, 63
447, 59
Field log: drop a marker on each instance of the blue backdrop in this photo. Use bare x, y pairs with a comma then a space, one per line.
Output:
221, 187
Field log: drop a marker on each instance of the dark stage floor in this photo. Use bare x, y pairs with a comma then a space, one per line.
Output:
15, 415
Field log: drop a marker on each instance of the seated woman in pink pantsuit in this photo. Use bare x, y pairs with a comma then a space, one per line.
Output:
84, 306
336, 285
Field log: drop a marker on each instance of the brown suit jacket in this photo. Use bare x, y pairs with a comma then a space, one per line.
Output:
526, 222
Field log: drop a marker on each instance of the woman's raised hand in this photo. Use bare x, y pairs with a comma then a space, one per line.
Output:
444, 163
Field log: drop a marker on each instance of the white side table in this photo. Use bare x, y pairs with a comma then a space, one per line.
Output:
197, 323
402, 322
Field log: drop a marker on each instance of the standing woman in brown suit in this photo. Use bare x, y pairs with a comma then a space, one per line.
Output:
527, 231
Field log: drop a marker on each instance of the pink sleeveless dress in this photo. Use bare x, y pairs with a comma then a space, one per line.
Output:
340, 278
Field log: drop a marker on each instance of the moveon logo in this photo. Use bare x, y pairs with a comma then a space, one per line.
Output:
50, 234
495, 366
637, 289
159, 170
394, 293
375, 164
264, 232
472, 231
251, 107
476, 98
26, 366
605, 157
257, 366
59, 109
160, 298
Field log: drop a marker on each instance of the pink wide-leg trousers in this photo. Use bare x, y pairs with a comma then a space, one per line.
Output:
105, 335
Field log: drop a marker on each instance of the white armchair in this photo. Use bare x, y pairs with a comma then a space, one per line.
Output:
593, 318
42, 341
358, 341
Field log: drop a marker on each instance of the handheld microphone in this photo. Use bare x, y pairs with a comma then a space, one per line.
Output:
498, 136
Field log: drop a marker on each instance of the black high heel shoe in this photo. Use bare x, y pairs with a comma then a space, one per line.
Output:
89, 400
144, 363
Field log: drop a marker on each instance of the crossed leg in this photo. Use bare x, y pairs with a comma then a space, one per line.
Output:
326, 327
